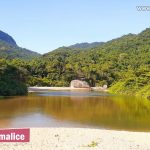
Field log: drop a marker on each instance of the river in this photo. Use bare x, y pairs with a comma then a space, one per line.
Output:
75, 109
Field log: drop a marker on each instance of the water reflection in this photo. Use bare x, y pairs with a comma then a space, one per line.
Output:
76, 93
103, 111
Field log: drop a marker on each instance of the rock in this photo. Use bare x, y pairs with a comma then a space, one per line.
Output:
104, 87
100, 88
79, 84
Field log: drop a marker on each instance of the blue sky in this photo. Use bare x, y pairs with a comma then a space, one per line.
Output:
43, 25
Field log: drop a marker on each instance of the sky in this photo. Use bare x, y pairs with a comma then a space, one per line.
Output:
44, 25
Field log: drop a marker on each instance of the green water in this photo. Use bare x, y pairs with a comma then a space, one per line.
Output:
76, 109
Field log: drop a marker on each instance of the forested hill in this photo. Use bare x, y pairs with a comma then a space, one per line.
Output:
7, 38
10, 50
86, 45
122, 63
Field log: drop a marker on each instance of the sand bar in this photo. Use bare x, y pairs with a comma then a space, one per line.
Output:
42, 89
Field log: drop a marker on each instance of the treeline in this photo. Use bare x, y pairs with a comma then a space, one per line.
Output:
12, 80
123, 64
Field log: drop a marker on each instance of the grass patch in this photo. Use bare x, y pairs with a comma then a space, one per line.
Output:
93, 144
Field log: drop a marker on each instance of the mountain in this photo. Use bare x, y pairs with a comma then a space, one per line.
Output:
86, 45
73, 49
122, 63
61, 51
7, 38
10, 50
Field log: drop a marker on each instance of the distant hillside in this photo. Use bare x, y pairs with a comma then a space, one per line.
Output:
7, 38
10, 50
72, 50
61, 51
86, 45
122, 63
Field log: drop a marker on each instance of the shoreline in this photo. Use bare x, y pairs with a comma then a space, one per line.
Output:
82, 139
44, 89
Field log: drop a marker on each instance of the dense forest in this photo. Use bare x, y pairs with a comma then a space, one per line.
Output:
12, 80
123, 64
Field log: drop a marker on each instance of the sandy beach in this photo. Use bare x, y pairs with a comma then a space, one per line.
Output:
81, 139
42, 89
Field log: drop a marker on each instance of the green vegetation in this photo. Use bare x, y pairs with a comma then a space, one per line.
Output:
93, 144
11, 80
12, 72
86, 45
7, 39
8, 51
123, 64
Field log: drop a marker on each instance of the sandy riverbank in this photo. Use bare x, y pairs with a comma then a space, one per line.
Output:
39, 89
82, 139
